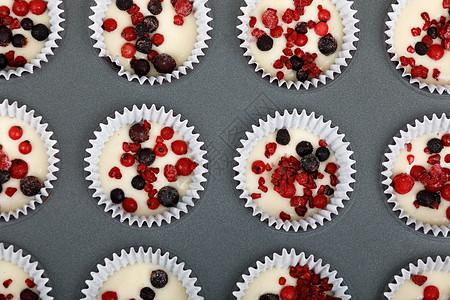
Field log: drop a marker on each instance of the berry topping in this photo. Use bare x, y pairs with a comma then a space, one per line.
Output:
157, 39
327, 44
448, 213
3, 61
167, 133
185, 166
5, 36
15, 132
296, 62
183, 8
124, 4
117, 196
288, 293
129, 205
264, 43
304, 148
38, 7
179, 147
445, 192
322, 153
431, 293
115, 173
19, 41
160, 149
139, 133
6, 283
321, 29
301, 28
20, 8
146, 156
168, 196
320, 201
28, 294
127, 160
128, 33
4, 177
270, 18
435, 52
428, 199
19, 169
258, 167
147, 294
310, 163
159, 279
154, 7
403, 183
416, 171
110, 25
138, 182
170, 172
140, 66
5, 163
128, 50
30, 186
421, 48
109, 296
164, 63
435, 145
269, 297
40, 32
144, 45
302, 76
419, 279
25, 147
178, 20
283, 137
432, 32
324, 15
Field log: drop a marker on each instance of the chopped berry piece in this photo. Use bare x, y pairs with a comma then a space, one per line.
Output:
433, 32
20, 8
139, 133
185, 166
19, 169
129, 205
327, 44
435, 145
310, 163
154, 7
321, 28
264, 43
5, 36
159, 279
115, 173
128, 33
170, 172
427, 198
283, 137
320, 201
124, 4
30, 186
40, 32
147, 293
431, 293
328, 190
416, 171
140, 66
288, 293
6, 283
164, 63
270, 149
301, 210
270, 18
179, 147
183, 8
296, 62
304, 148
276, 32
19, 41
322, 153
144, 45
302, 76
419, 279
168, 196
109, 296
178, 20
252, 22
403, 183
421, 48
10, 191
435, 52
28, 294
301, 28
146, 156
138, 182
117, 196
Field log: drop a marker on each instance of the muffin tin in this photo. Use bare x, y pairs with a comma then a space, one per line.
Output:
222, 97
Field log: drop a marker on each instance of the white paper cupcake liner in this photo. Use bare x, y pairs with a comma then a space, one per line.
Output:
287, 259
201, 13
430, 265
55, 13
346, 12
151, 114
326, 131
419, 128
13, 110
26, 262
393, 17
136, 256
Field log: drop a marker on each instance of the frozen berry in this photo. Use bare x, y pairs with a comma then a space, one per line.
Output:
167, 133
146, 156
147, 294
304, 148
421, 48
5, 36
433, 32
431, 293
327, 44
310, 163
288, 293
435, 145
30, 186
129, 205
15, 132
435, 52
416, 171
110, 25
168, 196
141, 67
302, 76
124, 4
296, 62
160, 149
283, 137
179, 147
321, 28
164, 63
109, 296
3, 61
159, 279
139, 133
264, 43
403, 183
25, 147
427, 198
40, 32
127, 160
19, 41
151, 23
269, 297
20, 8
128, 33
19, 169
301, 28
183, 8
154, 7
320, 201
38, 7
128, 50
26, 23
144, 45
4, 177
117, 196
157, 39
258, 167
269, 18
445, 192
322, 153
185, 166
138, 182
419, 279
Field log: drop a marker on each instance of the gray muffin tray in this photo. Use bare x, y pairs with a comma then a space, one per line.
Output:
222, 97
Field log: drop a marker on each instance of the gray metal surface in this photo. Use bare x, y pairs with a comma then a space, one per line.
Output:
222, 97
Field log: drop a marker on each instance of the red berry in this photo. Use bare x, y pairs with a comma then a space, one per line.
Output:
416, 31
434, 159
110, 25
321, 29
4, 11
425, 16
288, 16
19, 169
127, 160
160, 149
436, 74
252, 22
137, 18
270, 18
288, 191
10, 191
20, 8
167, 133
179, 147
435, 52
128, 33
115, 173
170, 172
431, 293
416, 171
446, 139
403, 183
258, 167
129, 205
427, 40
183, 8
151, 55
324, 14
16, 25
276, 32
153, 203
410, 159
15, 132
185, 166
445, 192
320, 201
6, 283
37, 7
157, 39
30, 283
284, 216
419, 279
331, 168
109, 296
288, 293
411, 49
446, 3
258, 32
25, 147
178, 20
280, 75
301, 40
128, 50
322, 143
270, 149
282, 281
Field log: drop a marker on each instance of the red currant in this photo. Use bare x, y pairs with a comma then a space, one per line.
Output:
153, 203
445, 192
19, 169
183, 8
4, 11
320, 201
25, 147
37, 7
129, 205
288, 293
110, 25
416, 171
435, 52
324, 14
403, 183
157, 39
258, 167
431, 293
128, 50
127, 160
160, 149
20, 8
167, 133
128, 33
15, 132
109, 296
178, 20
321, 29
179, 147
170, 172
185, 166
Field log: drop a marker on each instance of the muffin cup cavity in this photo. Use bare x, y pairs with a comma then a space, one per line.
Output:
326, 131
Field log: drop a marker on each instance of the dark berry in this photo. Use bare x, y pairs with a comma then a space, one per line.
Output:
5, 36
433, 32
27, 24
310, 163
301, 211
421, 48
117, 196
124, 4
30, 186
3, 61
302, 28
168, 196
138, 182
144, 45
269, 297
147, 294
302, 76
155, 7
427, 198
283, 137
28, 294
139, 133
140, 30
146, 156
264, 43
151, 22
4, 177
159, 279
297, 62
304, 148
327, 44
164, 63
19, 41
141, 67
435, 145
328, 190
322, 153
40, 32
